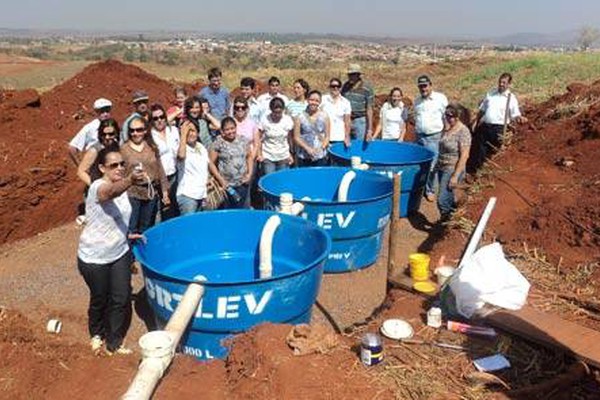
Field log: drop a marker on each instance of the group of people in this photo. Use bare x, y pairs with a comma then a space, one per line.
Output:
164, 161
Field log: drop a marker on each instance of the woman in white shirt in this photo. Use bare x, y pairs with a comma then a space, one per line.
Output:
103, 255
275, 138
166, 138
193, 170
392, 118
338, 109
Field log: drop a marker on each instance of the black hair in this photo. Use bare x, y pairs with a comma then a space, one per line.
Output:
276, 102
506, 75
314, 91
102, 154
214, 72
240, 99
336, 80
157, 107
392, 92
227, 120
248, 82
107, 123
274, 79
304, 85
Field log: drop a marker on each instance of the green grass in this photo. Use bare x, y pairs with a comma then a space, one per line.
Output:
42, 77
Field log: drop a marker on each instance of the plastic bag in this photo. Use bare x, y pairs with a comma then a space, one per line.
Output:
488, 277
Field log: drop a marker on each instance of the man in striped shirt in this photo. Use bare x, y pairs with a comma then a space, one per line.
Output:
360, 95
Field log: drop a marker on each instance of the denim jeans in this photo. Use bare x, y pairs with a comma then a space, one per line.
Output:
269, 166
431, 142
143, 214
446, 202
358, 128
109, 311
187, 205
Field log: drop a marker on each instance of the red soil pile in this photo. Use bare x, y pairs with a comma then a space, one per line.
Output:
38, 185
548, 180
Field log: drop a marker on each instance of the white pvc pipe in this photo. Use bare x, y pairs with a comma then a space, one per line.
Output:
287, 206
265, 267
478, 232
151, 368
345, 186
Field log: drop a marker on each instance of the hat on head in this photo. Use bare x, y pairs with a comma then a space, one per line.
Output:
139, 95
423, 80
102, 103
354, 69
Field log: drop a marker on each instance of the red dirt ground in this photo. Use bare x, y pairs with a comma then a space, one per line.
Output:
542, 200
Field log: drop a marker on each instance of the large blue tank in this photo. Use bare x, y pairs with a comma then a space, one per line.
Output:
223, 247
388, 158
355, 225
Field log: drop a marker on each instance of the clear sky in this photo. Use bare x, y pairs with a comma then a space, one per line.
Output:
372, 17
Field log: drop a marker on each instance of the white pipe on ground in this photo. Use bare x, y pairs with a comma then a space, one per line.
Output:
287, 206
342, 194
157, 359
265, 266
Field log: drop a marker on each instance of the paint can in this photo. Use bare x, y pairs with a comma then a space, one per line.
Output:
419, 266
434, 317
371, 349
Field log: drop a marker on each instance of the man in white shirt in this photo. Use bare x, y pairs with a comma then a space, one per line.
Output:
428, 108
497, 110
88, 135
265, 98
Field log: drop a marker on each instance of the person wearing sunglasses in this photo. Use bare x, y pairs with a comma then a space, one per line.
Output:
428, 109
166, 138
108, 134
88, 135
140, 103
454, 148
247, 128
103, 254
392, 118
140, 152
275, 137
339, 110
311, 133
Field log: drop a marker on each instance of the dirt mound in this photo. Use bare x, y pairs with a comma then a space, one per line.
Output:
548, 180
38, 185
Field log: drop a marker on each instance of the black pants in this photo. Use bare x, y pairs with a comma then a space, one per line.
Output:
109, 312
487, 140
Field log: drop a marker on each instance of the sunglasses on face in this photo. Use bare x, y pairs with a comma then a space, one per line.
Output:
104, 110
334, 86
138, 130
116, 165
239, 108
449, 115
108, 134
158, 117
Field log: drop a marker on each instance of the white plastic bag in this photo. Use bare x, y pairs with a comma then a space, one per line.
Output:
488, 277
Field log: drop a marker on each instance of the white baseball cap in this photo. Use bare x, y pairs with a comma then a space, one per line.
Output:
102, 103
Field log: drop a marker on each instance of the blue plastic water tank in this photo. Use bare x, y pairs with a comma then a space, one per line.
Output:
223, 246
356, 225
388, 158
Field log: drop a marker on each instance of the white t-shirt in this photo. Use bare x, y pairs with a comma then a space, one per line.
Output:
192, 173
393, 120
429, 113
336, 110
87, 136
275, 145
167, 149
104, 236
494, 107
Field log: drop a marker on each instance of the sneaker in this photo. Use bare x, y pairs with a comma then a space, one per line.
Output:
120, 350
96, 344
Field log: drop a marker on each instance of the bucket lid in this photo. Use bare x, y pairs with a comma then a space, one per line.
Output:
424, 286
397, 329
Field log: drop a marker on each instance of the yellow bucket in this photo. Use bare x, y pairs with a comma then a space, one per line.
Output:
419, 266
